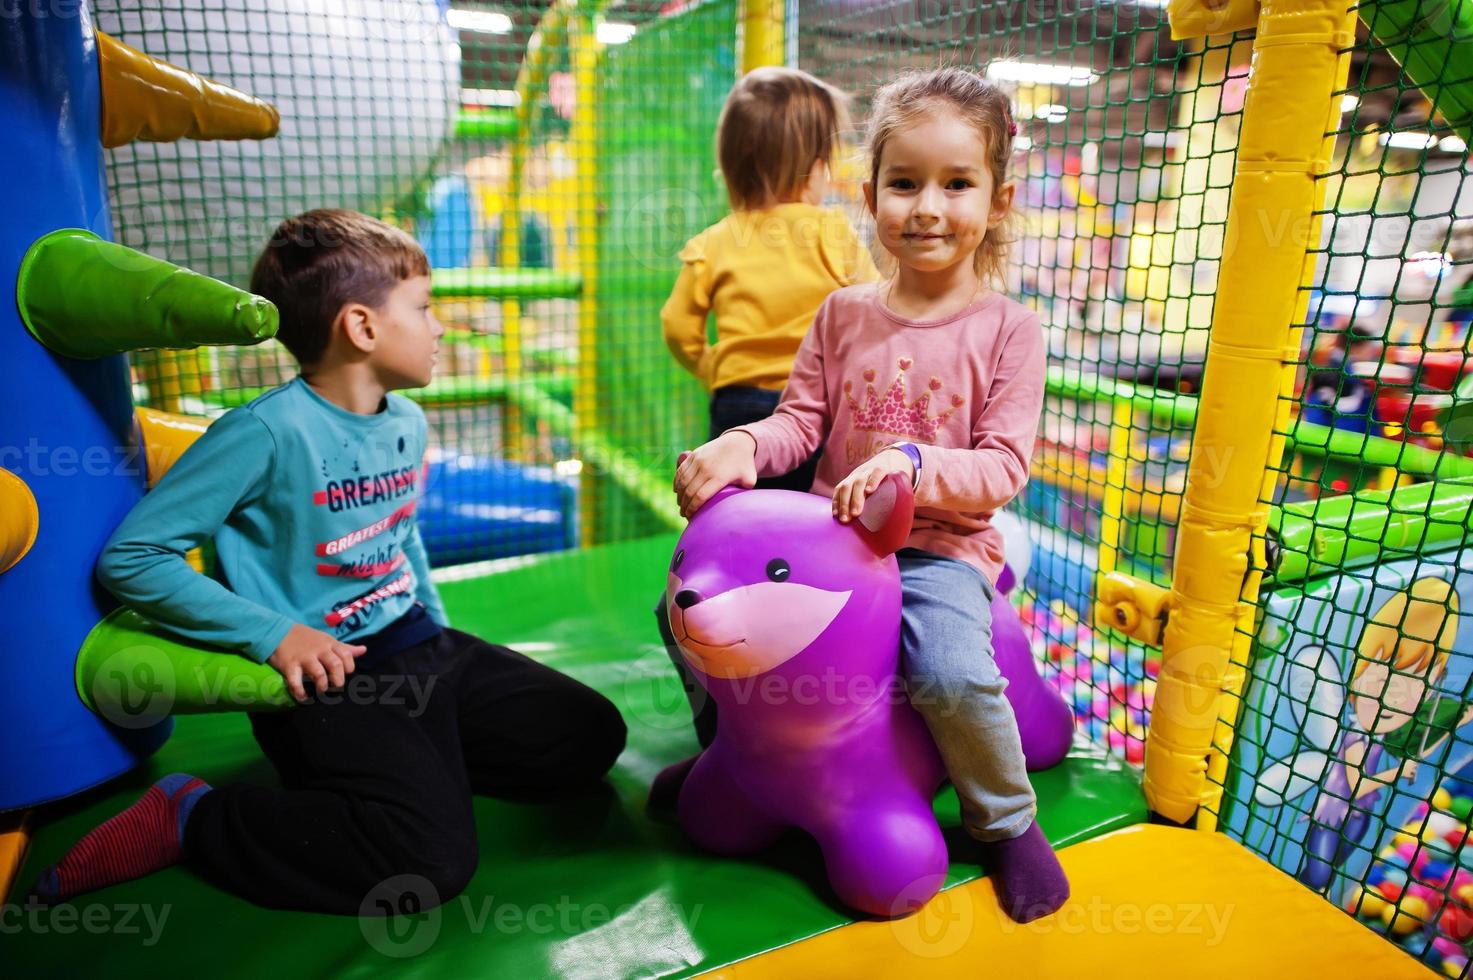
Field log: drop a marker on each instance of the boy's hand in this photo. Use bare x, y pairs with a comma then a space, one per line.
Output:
727, 459
314, 655
850, 494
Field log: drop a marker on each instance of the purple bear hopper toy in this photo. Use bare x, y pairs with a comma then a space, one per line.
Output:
791, 621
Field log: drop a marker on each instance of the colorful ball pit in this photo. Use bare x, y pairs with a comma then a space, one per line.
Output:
1419, 889
1110, 689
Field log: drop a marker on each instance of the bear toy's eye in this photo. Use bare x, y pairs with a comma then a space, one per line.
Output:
679, 557
778, 570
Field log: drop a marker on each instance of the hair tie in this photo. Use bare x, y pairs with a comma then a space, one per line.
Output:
1012, 128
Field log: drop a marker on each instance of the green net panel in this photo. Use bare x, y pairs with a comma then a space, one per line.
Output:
1352, 769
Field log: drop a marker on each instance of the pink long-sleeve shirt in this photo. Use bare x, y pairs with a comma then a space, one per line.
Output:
967, 390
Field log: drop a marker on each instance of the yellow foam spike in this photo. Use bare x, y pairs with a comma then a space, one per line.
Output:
20, 520
15, 836
144, 98
165, 436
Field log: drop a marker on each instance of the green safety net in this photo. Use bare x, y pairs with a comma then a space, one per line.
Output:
1351, 769
557, 412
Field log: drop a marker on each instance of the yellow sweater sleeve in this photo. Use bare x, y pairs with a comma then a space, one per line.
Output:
683, 318
846, 256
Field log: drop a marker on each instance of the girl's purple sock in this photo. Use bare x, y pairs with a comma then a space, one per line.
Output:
1027, 874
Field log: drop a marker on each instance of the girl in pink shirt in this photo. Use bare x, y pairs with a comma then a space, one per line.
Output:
934, 375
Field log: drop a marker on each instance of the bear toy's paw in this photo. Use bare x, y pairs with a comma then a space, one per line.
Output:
886, 864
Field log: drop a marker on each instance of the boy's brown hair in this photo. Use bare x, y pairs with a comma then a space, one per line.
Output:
775, 123
319, 261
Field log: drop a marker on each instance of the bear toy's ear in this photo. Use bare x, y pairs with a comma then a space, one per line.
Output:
888, 512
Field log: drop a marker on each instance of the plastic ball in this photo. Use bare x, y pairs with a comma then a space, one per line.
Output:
1436, 873
1447, 947
1437, 848
1464, 894
1454, 966
1457, 922
1367, 902
1390, 888
1442, 799
1135, 752
1432, 898
1440, 824
1375, 874
1153, 668
1455, 838
1461, 807
1406, 916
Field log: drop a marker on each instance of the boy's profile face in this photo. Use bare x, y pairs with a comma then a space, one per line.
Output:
408, 338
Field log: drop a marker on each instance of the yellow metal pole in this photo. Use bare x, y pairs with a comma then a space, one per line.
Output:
583, 39
1300, 60
543, 46
762, 33
1117, 472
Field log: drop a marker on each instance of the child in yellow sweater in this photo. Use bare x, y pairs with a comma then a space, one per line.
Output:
764, 269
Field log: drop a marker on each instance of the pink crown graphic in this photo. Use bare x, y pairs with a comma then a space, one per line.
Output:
890, 413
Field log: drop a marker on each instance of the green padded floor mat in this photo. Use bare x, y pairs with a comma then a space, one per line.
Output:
589, 887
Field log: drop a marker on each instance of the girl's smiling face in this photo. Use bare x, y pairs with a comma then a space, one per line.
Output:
934, 198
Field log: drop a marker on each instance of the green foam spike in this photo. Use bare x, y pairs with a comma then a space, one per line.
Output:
84, 297
134, 674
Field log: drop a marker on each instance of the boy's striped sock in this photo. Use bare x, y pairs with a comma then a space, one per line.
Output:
142, 839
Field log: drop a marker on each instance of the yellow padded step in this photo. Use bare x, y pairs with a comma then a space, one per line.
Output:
1147, 901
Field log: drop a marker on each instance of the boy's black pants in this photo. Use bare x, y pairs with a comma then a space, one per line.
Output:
375, 816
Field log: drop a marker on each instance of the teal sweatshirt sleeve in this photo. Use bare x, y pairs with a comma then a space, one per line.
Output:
424, 589
143, 563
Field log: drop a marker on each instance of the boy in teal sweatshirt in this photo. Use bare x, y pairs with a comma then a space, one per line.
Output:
309, 493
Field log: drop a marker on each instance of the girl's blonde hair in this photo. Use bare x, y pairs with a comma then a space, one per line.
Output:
980, 104
1414, 631
776, 122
